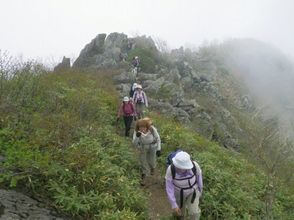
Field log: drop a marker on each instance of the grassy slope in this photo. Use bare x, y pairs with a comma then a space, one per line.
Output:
59, 139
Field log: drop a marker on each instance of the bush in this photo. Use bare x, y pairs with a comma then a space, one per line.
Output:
147, 58
59, 142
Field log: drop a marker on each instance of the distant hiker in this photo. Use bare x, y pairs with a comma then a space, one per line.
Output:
132, 90
127, 110
135, 65
184, 185
147, 139
140, 100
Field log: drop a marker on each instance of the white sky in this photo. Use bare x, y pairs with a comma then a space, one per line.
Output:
49, 29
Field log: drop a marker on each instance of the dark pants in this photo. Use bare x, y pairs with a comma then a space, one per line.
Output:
128, 122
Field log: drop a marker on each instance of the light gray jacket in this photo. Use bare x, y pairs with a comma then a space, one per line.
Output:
151, 138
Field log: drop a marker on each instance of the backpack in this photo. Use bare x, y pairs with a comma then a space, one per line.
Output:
139, 98
169, 161
128, 108
173, 172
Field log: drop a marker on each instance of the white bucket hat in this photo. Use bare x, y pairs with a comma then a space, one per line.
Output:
126, 99
138, 87
183, 161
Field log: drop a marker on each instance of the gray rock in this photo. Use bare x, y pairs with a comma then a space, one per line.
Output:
103, 51
173, 76
155, 85
124, 77
147, 76
64, 65
14, 205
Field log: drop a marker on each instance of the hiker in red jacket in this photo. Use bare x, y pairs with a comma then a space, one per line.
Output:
127, 110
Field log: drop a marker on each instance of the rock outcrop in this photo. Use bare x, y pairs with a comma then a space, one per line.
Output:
65, 64
14, 206
184, 85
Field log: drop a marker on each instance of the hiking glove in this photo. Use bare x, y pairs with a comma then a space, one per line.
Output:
138, 134
158, 153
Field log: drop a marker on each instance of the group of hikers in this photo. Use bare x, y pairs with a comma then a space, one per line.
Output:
183, 178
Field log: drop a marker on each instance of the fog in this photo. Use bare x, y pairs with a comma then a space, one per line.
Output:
269, 75
49, 29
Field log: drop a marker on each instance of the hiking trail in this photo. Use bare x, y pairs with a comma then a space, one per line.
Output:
159, 207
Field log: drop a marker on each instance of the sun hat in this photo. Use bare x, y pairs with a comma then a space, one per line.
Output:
138, 87
182, 160
126, 99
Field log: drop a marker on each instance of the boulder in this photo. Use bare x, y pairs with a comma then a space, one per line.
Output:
15, 205
104, 51
124, 77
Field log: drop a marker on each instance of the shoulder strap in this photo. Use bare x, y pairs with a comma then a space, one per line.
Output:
194, 170
173, 170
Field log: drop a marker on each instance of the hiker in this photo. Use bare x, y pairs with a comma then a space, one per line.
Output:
135, 64
183, 181
132, 90
127, 110
147, 139
140, 100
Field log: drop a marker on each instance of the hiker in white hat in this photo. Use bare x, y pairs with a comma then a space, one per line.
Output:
127, 111
140, 100
184, 185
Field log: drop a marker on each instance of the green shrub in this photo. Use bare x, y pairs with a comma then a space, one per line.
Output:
147, 58
58, 140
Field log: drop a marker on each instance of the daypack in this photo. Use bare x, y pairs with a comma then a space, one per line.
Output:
140, 98
173, 172
128, 109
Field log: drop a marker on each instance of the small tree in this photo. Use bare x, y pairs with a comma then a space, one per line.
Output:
273, 153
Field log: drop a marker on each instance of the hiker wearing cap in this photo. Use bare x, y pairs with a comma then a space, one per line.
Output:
184, 185
140, 100
127, 110
147, 139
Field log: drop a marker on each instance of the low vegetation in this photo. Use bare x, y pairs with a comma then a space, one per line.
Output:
59, 140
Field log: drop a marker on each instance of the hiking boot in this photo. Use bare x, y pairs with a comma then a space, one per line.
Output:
143, 180
152, 171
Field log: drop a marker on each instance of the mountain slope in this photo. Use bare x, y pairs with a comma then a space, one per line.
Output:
59, 140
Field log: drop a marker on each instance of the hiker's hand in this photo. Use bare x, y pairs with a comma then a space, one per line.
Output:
138, 134
177, 212
158, 153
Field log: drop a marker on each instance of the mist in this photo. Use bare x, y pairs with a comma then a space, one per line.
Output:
269, 76
51, 29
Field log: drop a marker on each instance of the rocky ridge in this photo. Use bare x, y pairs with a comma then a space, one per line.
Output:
184, 85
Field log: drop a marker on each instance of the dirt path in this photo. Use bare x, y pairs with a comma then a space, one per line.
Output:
159, 207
